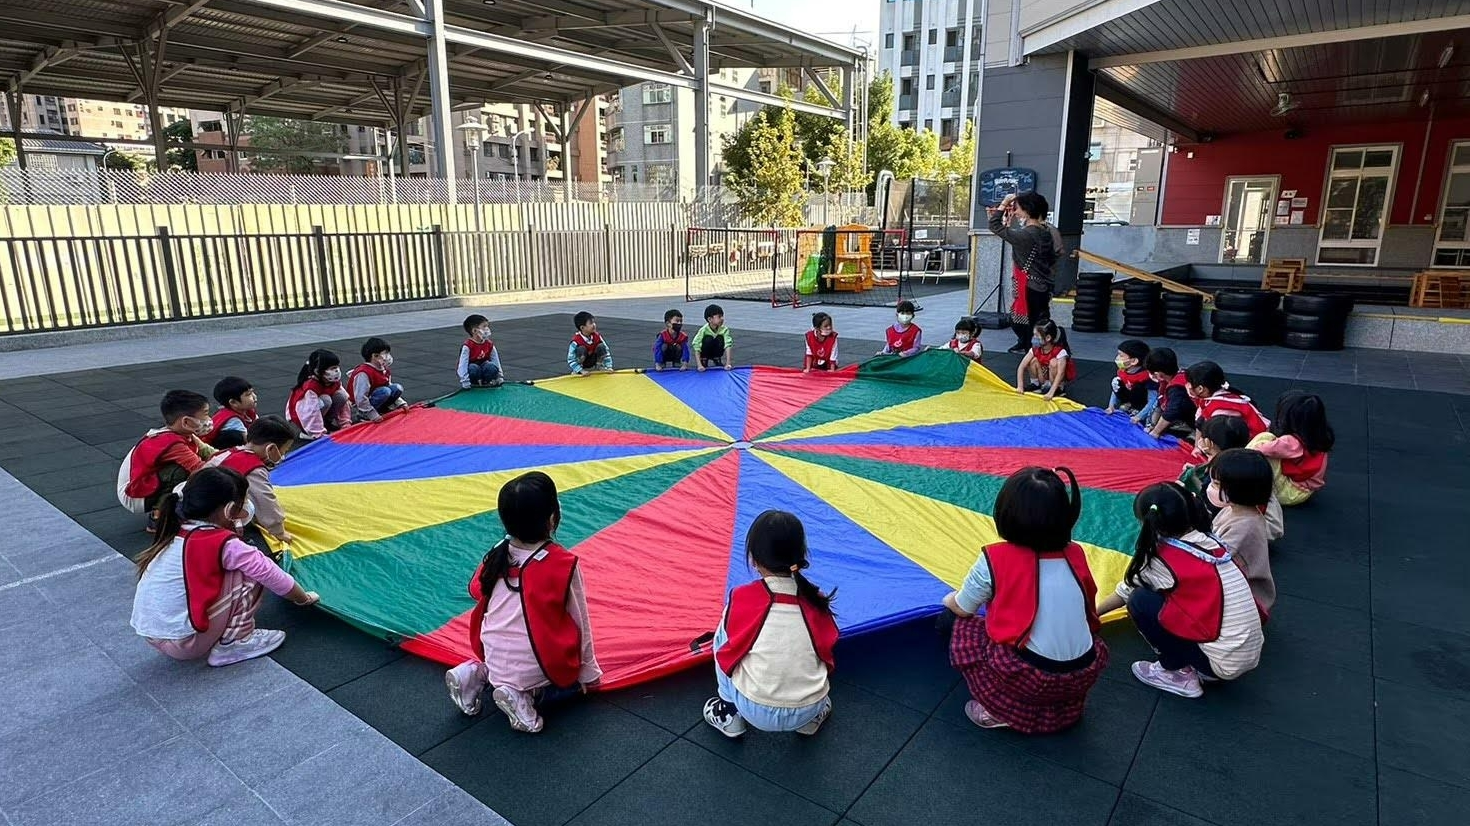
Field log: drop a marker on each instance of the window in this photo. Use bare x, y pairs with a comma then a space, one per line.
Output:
929, 82
906, 86
1359, 189
1452, 248
633, 173
910, 42
657, 93
765, 86
929, 124
951, 38
617, 140
933, 36
657, 133
888, 40
946, 129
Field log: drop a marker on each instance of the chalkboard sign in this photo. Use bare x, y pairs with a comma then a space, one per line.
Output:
996, 184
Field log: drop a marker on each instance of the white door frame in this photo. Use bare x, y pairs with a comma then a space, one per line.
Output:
1270, 212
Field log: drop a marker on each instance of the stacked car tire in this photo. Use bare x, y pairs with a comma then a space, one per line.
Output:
1094, 297
1315, 322
1182, 315
1143, 309
1246, 317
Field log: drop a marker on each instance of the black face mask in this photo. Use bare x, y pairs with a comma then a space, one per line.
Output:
675, 328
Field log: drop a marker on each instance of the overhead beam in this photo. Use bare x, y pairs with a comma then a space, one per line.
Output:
1108, 90
177, 70
1072, 20
610, 20
741, 93
674, 53
821, 85
49, 57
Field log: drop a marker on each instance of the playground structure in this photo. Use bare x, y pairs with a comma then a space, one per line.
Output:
796, 267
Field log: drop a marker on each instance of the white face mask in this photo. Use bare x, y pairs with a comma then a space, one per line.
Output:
1216, 496
964, 338
203, 427
482, 333
333, 375
386, 360
905, 318
245, 517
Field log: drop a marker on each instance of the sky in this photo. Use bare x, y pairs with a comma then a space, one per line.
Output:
832, 19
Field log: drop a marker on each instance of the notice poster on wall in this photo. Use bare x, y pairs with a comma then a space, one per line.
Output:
1283, 207
1298, 217
1283, 220
1298, 203
1212, 220
1288, 193
1191, 237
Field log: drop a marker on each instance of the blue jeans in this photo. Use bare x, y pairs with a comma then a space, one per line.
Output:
1174, 653
384, 397
763, 717
483, 373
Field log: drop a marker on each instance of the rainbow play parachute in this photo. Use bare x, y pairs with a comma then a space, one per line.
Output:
893, 467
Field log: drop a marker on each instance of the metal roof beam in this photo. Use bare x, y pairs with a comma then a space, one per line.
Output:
1110, 91
609, 20
742, 93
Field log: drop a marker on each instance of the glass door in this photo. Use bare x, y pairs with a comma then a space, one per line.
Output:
1452, 246
1246, 219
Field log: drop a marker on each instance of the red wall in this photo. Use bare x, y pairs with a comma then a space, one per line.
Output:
1195, 187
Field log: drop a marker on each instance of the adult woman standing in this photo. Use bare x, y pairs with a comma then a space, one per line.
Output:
1035, 248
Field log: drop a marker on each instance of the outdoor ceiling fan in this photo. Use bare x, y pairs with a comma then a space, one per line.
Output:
1284, 104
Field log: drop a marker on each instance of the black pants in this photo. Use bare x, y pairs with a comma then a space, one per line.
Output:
712, 351
1038, 309
1174, 653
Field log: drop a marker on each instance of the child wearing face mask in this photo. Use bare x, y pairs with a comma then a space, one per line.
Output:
1240, 486
318, 404
1049, 367
167, 455
904, 338
966, 341
479, 361
1134, 391
199, 586
266, 443
370, 385
1216, 436
821, 345
671, 345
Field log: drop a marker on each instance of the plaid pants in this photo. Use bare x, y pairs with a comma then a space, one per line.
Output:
231, 617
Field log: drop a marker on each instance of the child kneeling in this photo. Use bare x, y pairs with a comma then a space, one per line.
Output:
1031, 660
773, 648
529, 628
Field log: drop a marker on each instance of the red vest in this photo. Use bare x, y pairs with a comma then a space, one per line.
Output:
1194, 609
313, 385
480, 350
242, 460
1045, 359
143, 476
969, 348
1016, 572
1179, 380
746, 614
1230, 403
376, 378
902, 342
590, 359
544, 582
1304, 468
821, 349
223, 415
204, 571
1132, 380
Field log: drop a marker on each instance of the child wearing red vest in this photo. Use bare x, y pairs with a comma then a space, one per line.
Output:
1297, 445
1031, 660
1240, 487
370, 385
1188, 597
167, 455
1134, 391
529, 628
773, 647
966, 341
1215, 437
821, 345
318, 403
588, 353
479, 361
1175, 411
199, 586
265, 446
1049, 367
1213, 396
904, 337
237, 409
671, 345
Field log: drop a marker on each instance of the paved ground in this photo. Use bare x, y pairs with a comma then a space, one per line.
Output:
1358, 714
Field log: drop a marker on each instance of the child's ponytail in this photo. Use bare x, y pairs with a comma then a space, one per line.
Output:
807, 590
1146, 548
303, 374
168, 526
1163, 510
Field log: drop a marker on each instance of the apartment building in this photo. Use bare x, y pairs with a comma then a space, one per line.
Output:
650, 131
38, 113
932, 49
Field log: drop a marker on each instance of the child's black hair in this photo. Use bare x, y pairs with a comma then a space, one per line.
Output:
776, 541
1162, 360
1304, 415
966, 324
713, 310
904, 306
1226, 432
374, 346
1244, 476
1134, 349
473, 321
1206, 374
1036, 509
230, 389
529, 510
208, 490
1166, 510
270, 430
818, 319
1049, 329
670, 315
177, 404
581, 319
319, 362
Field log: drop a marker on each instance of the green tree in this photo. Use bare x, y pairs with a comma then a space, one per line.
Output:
880, 99
816, 132
181, 131
296, 135
767, 188
125, 161
847, 155
7, 151
961, 164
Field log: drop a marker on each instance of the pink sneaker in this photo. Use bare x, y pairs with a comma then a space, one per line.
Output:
980, 717
1184, 682
258, 644
518, 707
466, 682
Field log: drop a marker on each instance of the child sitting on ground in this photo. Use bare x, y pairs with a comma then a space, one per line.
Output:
588, 353
167, 455
318, 403
1048, 368
1031, 660
904, 337
714, 344
199, 586
370, 385
237, 409
966, 340
1213, 396
479, 361
773, 646
1186, 596
1297, 445
821, 345
1175, 411
671, 345
1240, 486
266, 444
1216, 436
1134, 391
529, 628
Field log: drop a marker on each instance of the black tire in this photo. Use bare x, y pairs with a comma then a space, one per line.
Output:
1173, 299
1330, 306
1094, 279
1242, 319
1238, 336
1089, 328
1182, 316
1141, 332
1313, 341
1090, 301
1297, 323
1087, 318
1259, 301
1194, 334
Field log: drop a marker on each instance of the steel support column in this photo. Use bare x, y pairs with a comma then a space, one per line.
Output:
701, 104
849, 99
12, 102
440, 129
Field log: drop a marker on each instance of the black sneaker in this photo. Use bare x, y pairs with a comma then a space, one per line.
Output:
723, 716
1018, 348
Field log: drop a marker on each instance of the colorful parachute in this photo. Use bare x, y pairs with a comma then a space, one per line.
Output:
892, 467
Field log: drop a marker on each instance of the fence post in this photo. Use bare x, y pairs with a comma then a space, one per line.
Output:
324, 273
437, 239
674, 256
531, 245
607, 250
170, 273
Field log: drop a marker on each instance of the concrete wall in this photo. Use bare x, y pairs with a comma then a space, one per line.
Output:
1406, 249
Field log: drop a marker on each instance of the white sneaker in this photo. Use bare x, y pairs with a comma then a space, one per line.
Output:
517, 706
816, 722
1184, 682
258, 644
723, 717
466, 682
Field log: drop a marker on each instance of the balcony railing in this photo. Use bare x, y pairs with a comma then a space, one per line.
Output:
953, 54
909, 57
